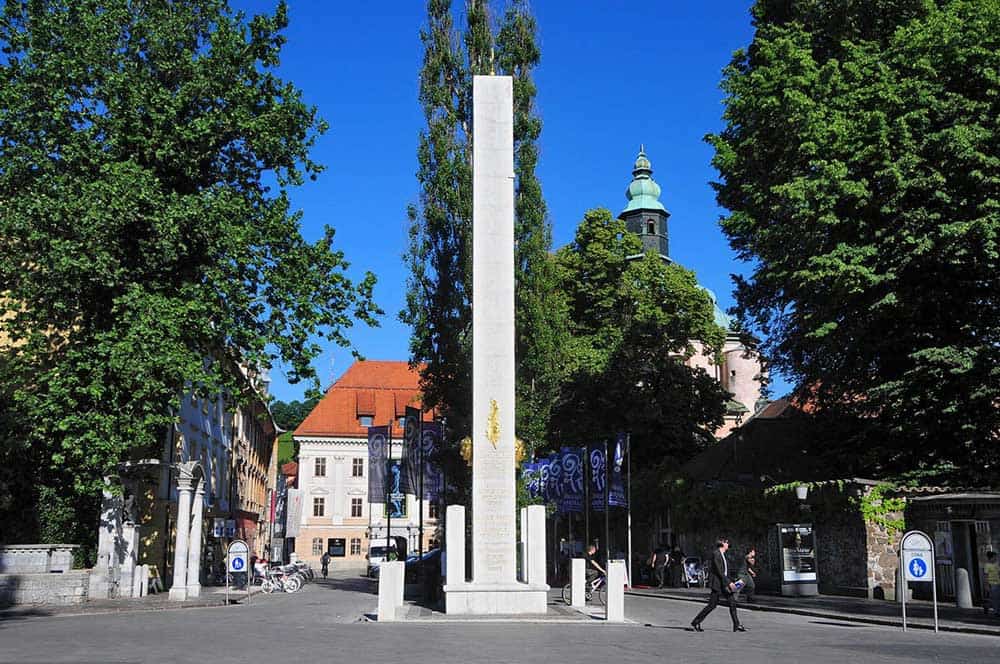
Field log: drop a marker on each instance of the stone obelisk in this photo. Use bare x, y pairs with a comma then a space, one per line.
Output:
494, 588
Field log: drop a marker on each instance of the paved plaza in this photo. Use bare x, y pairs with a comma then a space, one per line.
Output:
325, 623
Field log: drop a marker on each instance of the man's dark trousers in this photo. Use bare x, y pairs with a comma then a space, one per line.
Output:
713, 601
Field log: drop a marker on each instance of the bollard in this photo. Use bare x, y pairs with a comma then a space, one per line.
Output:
390, 589
963, 592
616, 592
578, 577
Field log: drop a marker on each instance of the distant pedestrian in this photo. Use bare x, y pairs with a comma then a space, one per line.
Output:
991, 571
659, 562
719, 583
325, 563
748, 574
676, 566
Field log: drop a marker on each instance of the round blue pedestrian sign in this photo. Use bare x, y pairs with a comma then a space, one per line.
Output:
918, 568
237, 564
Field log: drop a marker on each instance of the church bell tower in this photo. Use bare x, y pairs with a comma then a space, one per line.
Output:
645, 215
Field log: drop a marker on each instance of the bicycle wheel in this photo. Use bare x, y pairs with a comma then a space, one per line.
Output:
292, 584
267, 586
567, 593
602, 594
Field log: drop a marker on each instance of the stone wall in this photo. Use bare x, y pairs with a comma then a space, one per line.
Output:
841, 554
36, 558
883, 561
59, 589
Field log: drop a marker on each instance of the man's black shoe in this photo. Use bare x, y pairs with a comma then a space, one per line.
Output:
697, 627
739, 628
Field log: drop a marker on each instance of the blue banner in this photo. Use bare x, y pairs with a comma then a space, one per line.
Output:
572, 479
597, 478
431, 434
553, 484
377, 437
395, 497
530, 471
617, 497
411, 451
543, 478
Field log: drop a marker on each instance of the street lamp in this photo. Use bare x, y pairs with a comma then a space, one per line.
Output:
801, 492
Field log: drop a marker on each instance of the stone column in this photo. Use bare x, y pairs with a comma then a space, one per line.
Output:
455, 545
178, 590
578, 577
109, 532
535, 550
194, 542
615, 610
130, 547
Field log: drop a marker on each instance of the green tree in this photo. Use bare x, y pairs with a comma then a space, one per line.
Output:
290, 415
540, 309
437, 300
439, 257
861, 169
633, 323
144, 254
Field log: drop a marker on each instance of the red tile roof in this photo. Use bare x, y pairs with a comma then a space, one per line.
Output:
381, 389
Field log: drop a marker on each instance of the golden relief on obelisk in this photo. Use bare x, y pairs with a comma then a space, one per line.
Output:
493, 424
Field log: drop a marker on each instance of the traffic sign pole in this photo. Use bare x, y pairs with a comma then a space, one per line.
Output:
916, 564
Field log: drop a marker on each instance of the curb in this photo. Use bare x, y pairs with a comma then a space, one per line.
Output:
813, 613
39, 611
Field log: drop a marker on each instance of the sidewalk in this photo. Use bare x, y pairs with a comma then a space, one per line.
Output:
210, 596
919, 614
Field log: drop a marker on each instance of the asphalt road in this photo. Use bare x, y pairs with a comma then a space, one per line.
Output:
323, 623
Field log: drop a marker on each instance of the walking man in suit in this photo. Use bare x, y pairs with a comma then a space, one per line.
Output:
719, 583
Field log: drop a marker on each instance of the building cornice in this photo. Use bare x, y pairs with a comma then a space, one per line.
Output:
331, 440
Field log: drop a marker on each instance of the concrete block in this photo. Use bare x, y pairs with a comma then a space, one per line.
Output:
455, 544
616, 592
963, 591
536, 545
578, 578
390, 589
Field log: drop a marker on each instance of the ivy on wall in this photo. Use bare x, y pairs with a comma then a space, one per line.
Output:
878, 506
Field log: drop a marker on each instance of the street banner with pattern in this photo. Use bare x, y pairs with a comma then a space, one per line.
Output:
377, 448
617, 497
572, 479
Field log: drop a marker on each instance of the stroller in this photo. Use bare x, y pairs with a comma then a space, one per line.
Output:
694, 572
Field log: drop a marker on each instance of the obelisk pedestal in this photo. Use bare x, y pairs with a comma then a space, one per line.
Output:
494, 588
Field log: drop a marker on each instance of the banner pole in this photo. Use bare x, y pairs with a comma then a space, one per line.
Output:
385, 502
586, 496
420, 526
628, 502
607, 508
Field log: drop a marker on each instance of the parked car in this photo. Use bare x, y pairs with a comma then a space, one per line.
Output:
429, 562
377, 555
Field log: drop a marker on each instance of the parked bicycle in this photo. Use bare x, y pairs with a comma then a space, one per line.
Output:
286, 578
595, 588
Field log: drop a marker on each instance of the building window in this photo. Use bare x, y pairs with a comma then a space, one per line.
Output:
355, 507
321, 467
355, 546
319, 506
365, 420
402, 423
317, 545
433, 509
358, 470
650, 228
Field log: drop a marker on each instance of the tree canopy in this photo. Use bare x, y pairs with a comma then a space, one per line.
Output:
633, 323
440, 258
861, 170
149, 246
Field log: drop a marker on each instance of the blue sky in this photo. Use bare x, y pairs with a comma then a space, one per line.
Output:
613, 75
